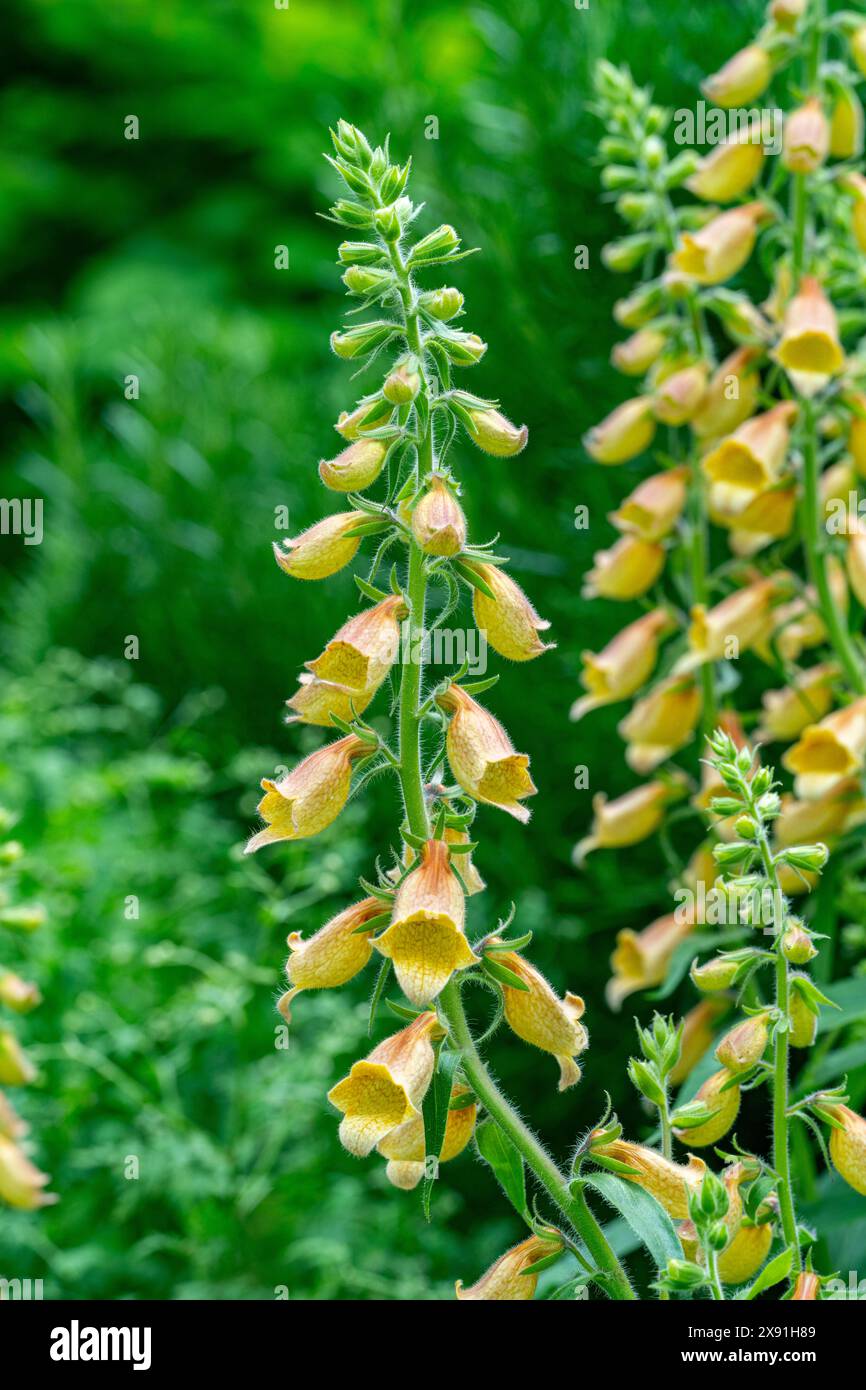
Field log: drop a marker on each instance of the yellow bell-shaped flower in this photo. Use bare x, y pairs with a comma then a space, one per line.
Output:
404, 1147
482, 757
641, 959
322, 549
505, 1280
310, 797
539, 1017
387, 1088
425, 939
624, 665
508, 620
332, 955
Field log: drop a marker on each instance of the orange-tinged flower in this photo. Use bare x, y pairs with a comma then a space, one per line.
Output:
425, 939
806, 700
623, 434
804, 822
807, 1287
629, 819
537, 1016
848, 1146
482, 757
625, 571
807, 138
362, 653
16, 1069
670, 1183
624, 665
744, 1045
655, 506
322, 549
637, 354
461, 863
809, 348
495, 434
679, 397
731, 396
438, 523
405, 1151
725, 1105
699, 1027
828, 751
722, 246
356, 467
754, 519
661, 723
754, 455
729, 171
506, 1280
641, 959
309, 797
333, 954
846, 126
508, 620
319, 702
21, 1184
731, 627
741, 80
386, 1089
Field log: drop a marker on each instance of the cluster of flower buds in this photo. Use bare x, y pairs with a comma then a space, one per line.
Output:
21, 1183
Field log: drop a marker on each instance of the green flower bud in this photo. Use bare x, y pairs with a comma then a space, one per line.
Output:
745, 827
23, 917
683, 1275
443, 304
361, 253
365, 280
805, 856
620, 176
435, 246
627, 253
745, 1044
389, 221
351, 214
463, 349
797, 945
715, 974
403, 384
362, 339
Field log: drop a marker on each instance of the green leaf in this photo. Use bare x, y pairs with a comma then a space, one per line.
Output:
496, 1148
849, 996
503, 975
649, 1221
472, 578
773, 1273
370, 590
381, 981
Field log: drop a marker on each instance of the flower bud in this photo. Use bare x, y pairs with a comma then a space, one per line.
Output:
370, 414
848, 1146
332, 955
507, 620
744, 1046
729, 170
366, 279
722, 247
425, 939
362, 339
846, 126
803, 1020
627, 820
743, 618
386, 1089
660, 724
639, 308
537, 1016
443, 304
637, 354
435, 246
625, 571
641, 959
402, 384
670, 1183
323, 549
506, 1280
362, 253
786, 13
627, 253
680, 396
356, 468
404, 1147
628, 659
23, 916
807, 1287
715, 974
724, 1105
743, 78
16, 1069
310, 797
389, 221
809, 349
807, 138
495, 434
828, 751
623, 434
797, 945
438, 523
482, 757
857, 44
17, 994
21, 1183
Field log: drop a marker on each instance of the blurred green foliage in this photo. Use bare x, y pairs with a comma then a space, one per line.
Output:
137, 779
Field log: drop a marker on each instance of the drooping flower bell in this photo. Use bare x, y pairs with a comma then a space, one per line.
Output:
508, 620
332, 955
806, 141
540, 1018
627, 570
722, 247
661, 723
309, 797
360, 655
625, 433
494, 433
729, 170
637, 354
655, 506
405, 1150
624, 664
506, 1280
741, 80
754, 455
749, 1243
828, 751
809, 348
320, 702
721, 1095
670, 1183
848, 1146
731, 396
425, 939
387, 1088
482, 757
438, 523
678, 397
322, 549
21, 1184
641, 959
628, 819
807, 699
356, 467
767, 516
732, 626
745, 1044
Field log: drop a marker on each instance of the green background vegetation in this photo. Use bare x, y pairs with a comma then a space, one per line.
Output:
156, 257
